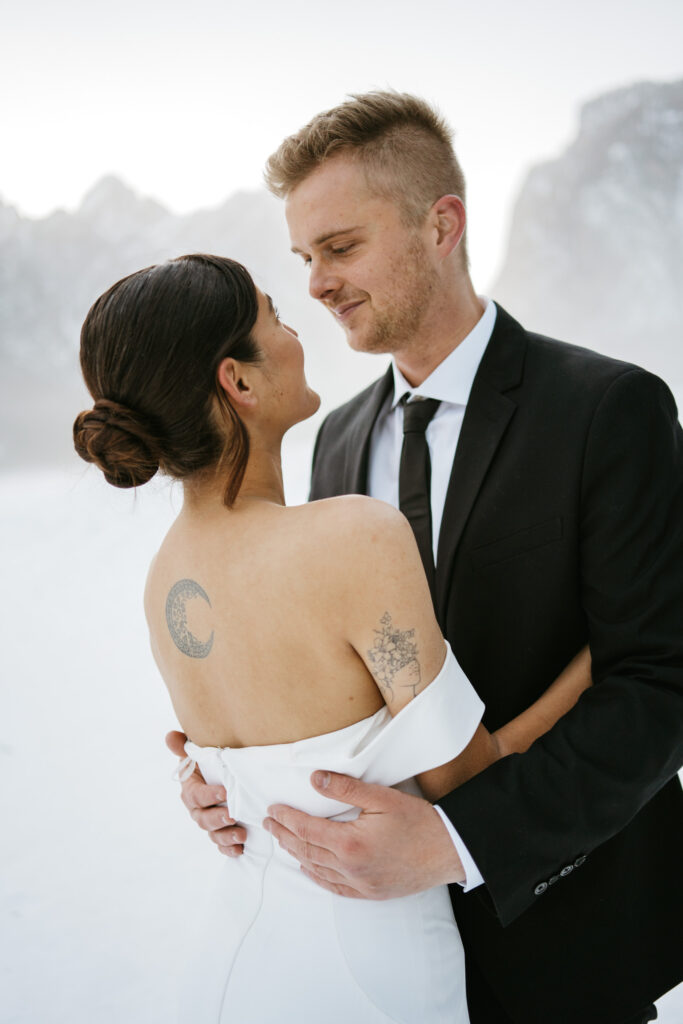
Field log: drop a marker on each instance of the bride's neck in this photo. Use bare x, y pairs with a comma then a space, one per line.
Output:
262, 482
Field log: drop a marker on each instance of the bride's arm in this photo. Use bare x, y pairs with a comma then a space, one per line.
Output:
391, 625
517, 735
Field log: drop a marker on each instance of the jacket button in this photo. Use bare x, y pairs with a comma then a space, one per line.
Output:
579, 861
553, 879
540, 888
566, 871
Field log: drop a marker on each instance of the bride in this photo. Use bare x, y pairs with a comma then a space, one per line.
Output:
288, 638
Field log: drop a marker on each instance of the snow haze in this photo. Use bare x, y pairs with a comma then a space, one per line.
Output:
101, 863
185, 101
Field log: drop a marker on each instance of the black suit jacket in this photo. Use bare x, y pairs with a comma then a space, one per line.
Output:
563, 525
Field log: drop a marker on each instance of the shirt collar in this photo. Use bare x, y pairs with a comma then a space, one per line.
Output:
452, 379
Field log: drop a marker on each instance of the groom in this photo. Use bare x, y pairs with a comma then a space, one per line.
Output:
545, 486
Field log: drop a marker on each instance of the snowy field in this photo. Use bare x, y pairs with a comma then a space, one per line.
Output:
100, 862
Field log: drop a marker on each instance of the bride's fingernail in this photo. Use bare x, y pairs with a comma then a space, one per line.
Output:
322, 779
228, 821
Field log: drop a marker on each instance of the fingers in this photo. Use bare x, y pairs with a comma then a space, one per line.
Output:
321, 874
196, 794
231, 851
337, 887
201, 800
289, 824
300, 843
228, 837
212, 819
175, 741
230, 841
194, 791
318, 841
310, 829
365, 795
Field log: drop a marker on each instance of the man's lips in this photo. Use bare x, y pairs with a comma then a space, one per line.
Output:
342, 312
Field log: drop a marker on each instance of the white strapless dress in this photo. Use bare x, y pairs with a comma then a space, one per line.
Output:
272, 947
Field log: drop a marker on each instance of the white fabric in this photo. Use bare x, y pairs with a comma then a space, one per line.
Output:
272, 945
450, 383
473, 876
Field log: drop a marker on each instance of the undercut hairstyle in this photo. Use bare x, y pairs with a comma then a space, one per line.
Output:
151, 347
402, 144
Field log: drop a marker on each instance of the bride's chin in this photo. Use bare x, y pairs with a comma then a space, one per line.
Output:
312, 404
315, 401
308, 408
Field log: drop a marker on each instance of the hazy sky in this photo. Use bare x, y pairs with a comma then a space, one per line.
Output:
184, 100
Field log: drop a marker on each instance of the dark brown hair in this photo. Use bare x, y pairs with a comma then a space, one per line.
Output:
403, 145
150, 350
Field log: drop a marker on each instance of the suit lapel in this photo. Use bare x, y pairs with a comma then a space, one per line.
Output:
358, 446
487, 416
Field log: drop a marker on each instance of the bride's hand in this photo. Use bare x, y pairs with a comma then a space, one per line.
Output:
201, 800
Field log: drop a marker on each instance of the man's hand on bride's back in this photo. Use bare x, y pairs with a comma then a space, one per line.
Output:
399, 844
201, 801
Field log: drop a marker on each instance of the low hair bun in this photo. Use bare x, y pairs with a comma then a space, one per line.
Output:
119, 441
154, 342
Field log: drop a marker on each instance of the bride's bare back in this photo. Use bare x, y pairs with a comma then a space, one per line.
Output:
252, 613
272, 624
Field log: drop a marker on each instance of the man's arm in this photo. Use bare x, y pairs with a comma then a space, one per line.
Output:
548, 808
375, 855
585, 780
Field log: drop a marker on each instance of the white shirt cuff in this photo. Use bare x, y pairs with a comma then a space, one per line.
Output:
473, 876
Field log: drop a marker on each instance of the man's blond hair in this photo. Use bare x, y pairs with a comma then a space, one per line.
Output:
403, 145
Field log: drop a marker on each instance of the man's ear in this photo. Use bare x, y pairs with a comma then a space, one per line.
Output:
235, 379
449, 219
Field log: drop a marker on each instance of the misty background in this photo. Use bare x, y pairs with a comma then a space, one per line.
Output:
135, 134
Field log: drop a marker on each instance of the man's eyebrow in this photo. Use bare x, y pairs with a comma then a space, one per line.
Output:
321, 239
271, 306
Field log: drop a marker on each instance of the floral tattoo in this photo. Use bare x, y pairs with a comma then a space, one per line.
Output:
394, 658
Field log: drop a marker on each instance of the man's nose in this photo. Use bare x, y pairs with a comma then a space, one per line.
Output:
322, 282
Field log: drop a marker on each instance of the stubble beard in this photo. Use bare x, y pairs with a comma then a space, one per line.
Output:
397, 327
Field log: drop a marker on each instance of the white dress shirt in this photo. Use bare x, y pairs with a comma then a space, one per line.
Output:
450, 383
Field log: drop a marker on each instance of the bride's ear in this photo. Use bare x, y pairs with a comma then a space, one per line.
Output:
236, 380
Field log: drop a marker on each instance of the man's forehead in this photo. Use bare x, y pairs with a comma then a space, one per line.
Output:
338, 172
331, 201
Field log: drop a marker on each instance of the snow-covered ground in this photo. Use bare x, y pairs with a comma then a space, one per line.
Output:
100, 862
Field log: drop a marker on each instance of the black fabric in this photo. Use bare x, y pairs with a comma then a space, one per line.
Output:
414, 478
563, 525
648, 1014
482, 1003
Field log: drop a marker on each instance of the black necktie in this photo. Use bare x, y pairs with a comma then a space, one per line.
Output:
414, 478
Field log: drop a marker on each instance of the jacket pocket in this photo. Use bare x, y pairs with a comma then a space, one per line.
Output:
517, 543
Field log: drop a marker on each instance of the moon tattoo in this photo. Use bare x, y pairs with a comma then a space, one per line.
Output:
176, 619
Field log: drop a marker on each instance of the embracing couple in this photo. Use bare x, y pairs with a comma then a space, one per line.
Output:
468, 710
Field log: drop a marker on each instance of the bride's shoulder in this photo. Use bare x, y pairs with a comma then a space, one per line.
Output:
354, 514
353, 527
